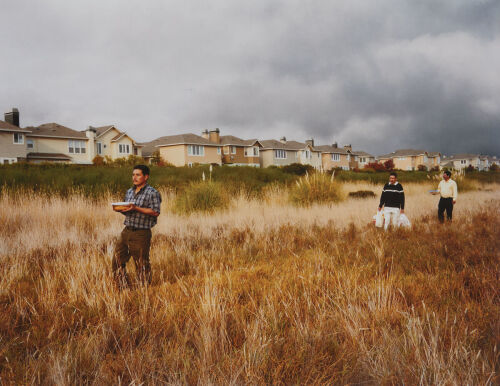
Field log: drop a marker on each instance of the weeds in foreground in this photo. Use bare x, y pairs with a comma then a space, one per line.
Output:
318, 188
291, 304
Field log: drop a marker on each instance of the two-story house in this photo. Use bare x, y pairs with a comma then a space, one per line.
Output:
362, 158
411, 159
12, 139
283, 152
461, 161
113, 143
184, 150
52, 142
237, 151
333, 156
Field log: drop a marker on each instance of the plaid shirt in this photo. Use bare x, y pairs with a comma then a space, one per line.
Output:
147, 197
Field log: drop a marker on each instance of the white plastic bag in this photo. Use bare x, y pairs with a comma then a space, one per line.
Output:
403, 221
379, 219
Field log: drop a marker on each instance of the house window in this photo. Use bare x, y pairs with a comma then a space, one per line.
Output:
362, 159
307, 154
252, 152
196, 150
426, 159
280, 154
76, 147
218, 149
124, 149
30, 144
18, 138
401, 158
335, 157
463, 161
233, 149
99, 148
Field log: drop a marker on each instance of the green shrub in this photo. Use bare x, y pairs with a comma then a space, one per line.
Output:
298, 169
318, 188
205, 196
362, 194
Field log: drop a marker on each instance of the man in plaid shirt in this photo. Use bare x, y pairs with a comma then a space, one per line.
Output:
135, 239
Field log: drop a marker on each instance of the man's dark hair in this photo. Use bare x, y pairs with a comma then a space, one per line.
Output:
394, 174
143, 168
448, 173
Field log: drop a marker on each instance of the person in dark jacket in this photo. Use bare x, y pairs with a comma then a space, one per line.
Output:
392, 200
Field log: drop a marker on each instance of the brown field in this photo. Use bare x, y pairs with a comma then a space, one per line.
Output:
262, 292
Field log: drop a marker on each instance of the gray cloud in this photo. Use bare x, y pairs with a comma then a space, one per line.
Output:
380, 75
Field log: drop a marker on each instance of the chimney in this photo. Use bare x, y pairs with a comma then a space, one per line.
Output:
310, 142
213, 136
12, 117
91, 150
348, 147
283, 139
204, 134
335, 145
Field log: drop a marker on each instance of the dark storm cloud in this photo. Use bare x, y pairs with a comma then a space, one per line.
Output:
379, 75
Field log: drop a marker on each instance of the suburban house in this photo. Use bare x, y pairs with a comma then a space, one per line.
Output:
236, 151
333, 156
283, 152
411, 159
184, 149
362, 158
462, 161
113, 143
52, 142
12, 139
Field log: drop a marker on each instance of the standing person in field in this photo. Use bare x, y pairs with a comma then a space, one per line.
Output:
448, 190
135, 239
392, 200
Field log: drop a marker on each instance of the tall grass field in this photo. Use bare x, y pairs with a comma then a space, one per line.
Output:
282, 279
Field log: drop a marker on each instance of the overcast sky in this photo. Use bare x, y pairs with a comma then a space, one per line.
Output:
381, 75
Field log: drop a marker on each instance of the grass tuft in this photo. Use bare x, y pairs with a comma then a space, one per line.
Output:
318, 188
204, 196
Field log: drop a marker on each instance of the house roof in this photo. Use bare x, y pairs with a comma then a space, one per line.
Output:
403, 153
331, 149
48, 156
235, 141
461, 156
181, 139
5, 126
288, 145
361, 153
55, 130
102, 129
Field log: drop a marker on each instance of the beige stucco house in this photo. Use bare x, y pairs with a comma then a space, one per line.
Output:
12, 139
283, 152
113, 143
362, 158
184, 150
411, 159
462, 161
52, 142
333, 157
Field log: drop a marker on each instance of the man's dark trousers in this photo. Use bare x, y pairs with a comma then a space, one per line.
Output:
445, 204
136, 243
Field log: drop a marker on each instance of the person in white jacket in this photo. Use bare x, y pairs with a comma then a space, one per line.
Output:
448, 190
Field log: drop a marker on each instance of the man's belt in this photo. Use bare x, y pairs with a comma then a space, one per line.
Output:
135, 229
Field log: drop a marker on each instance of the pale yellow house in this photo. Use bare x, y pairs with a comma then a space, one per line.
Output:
113, 143
184, 150
333, 157
411, 159
362, 158
52, 142
462, 161
12, 139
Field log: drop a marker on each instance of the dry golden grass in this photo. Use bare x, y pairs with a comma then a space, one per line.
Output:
262, 292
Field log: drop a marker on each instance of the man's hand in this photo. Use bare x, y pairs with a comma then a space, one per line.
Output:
379, 208
454, 202
130, 208
402, 211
